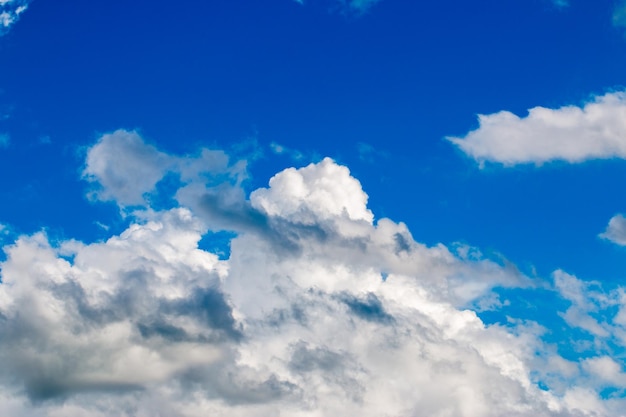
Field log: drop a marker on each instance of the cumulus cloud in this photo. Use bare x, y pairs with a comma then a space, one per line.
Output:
597, 130
320, 309
616, 230
10, 11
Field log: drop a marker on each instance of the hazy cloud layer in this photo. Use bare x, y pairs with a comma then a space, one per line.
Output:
619, 14
560, 3
352, 6
320, 310
360, 6
574, 134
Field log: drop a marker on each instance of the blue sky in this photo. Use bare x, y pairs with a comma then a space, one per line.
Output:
192, 181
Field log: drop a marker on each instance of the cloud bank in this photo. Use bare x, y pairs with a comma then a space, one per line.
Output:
10, 11
320, 309
597, 130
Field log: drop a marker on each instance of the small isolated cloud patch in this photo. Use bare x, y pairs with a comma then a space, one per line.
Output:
616, 230
596, 130
4, 140
279, 149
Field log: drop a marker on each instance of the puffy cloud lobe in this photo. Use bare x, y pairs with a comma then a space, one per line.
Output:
314, 193
573, 134
356, 318
10, 11
125, 167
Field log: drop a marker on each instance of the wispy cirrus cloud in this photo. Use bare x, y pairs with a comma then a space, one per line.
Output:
147, 322
10, 11
595, 130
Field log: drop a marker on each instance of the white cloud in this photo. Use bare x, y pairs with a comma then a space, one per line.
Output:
616, 230
319, 311
314, 193
606, 369
573, 134
586, 298
10, 11
124, 169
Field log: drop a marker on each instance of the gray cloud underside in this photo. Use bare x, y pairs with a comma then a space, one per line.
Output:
318, 311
